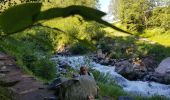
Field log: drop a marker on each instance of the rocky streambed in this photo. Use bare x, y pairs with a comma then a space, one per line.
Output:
145, 87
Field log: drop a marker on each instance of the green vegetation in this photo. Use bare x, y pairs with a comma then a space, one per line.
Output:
138, 15
31, 48
37, 38
5, 94
32, 54
108, 88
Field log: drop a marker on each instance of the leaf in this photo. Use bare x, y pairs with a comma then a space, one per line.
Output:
19, 17
87, 13
22, 16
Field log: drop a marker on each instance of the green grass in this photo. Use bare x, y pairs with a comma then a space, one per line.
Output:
5, 94
108, 90
156, 45
32, 50
107, 86
158, 35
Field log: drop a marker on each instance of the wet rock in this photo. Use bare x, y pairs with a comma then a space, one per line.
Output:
100, 54
62, 71
124, 67
167, 79
64, 65
131, 71
157, 77
150, 63
164, 66
125, 98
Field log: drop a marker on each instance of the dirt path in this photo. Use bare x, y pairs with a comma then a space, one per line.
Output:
25, 87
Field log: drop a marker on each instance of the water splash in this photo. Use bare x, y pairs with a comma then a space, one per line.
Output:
135, 87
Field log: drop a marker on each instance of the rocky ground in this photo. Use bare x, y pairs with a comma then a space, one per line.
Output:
23, 86
144, 69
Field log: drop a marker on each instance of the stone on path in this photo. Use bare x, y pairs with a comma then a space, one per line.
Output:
24, 87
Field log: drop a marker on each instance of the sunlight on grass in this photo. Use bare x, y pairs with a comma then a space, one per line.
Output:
111, 32
158, 35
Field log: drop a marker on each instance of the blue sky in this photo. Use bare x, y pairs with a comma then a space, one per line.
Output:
104, 5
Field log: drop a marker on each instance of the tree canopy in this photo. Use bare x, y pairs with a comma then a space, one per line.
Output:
141, 14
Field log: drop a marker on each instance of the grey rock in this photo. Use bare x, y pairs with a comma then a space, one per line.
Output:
78, 89
125, 98
124, 67
164, 66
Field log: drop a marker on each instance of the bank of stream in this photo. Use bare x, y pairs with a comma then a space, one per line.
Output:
141, 88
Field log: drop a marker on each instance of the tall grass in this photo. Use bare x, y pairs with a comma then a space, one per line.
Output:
32, 50
5, 94
108, 88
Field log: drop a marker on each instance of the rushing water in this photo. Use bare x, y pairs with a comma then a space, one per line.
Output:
135, 87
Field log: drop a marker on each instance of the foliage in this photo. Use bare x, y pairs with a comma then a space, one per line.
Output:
108, 88
5, 94
44, 68
138, 15
32, 10
160, 18
127, 47
30, 52
11, 21
78, 48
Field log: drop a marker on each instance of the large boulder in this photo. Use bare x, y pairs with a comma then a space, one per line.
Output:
124, 67
131, 70
157, 77
164, 67
78, 89
150, 63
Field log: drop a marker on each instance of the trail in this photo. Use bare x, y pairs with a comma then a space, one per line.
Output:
24, 87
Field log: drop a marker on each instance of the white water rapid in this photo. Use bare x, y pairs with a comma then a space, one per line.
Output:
135, 87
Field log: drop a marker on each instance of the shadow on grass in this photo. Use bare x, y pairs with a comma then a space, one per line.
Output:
129, 47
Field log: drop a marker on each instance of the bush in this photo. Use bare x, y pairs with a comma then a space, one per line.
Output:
5, 94
107, 86
79, 48
44, 68
28, 60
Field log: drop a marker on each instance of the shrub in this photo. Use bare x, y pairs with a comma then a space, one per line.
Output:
44, 68
79, 48
5, 94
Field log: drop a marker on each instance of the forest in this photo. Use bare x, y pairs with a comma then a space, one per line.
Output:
49, 39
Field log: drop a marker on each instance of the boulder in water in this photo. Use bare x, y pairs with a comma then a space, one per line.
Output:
164, 66
124, 67
131, 71
150, 63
